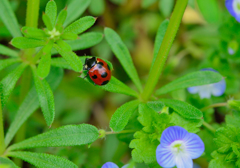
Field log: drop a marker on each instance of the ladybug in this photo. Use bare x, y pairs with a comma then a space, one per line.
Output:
98, 70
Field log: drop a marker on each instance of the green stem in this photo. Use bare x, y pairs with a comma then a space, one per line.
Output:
209, 127
214, 105
121, 132
2, 145
164, 49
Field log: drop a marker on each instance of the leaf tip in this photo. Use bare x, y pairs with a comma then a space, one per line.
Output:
65, 8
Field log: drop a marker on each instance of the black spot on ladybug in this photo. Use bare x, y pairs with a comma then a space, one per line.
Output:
104, 75
100, 63
94, 76
105, 82
99, 66
108, 67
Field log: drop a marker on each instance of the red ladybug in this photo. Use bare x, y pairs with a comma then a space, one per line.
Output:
98, 70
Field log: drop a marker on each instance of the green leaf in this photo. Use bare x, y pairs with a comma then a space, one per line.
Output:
9, 19
51, 11
60, 62
7, 51
80, 25
31, 103
85, 41
69, 36
233, 119
166, 7
159, 38
210, 10
193, 79
123, 55
70, 135
34, 33
71, 58
156, 105
8, 162
182, 108
191, 125
45, 97
234, 104
45, 62
75, 10
144, 148
43, 160
61, 18
7, 62
219, 162
10, 81
24, 43
147, 3
97, 7
47, 22
121, 116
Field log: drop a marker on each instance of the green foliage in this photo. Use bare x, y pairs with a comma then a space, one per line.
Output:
9, 19
70, 135
7, 62
47, 22
81, 25
10, 81
51, 11
123, 55
45, 97
122, 115
23, 43
234, 104
7, 51
166, 7
35, 33
182, 108
76, 9
43, 160
189, 80
147, 3
97, 7
7, 162
209, 10
31, 103
159, 38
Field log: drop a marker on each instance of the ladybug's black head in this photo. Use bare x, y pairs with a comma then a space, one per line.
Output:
89, 63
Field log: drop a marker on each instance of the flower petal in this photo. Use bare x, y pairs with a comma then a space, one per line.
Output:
229, 6
165, 158
171, 134
109, 165
194, 145
193, 89
205, 91
219, 88
184, 161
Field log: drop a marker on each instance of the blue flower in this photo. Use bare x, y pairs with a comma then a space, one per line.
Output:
233, 6
109, 165
178, 148
205, 91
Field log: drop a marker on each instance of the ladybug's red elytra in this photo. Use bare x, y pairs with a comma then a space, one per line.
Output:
98, 70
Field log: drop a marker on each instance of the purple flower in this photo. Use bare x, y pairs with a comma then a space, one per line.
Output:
178, 148
205, 91
233, 6
109, 165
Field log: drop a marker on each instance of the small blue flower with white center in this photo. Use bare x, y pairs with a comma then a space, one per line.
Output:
178, 147
205, 91
233, 6
113, 165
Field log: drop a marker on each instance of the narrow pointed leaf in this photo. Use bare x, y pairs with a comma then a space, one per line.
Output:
43, 160
24, 43
193, 79
121, 116
7, 162
47, 22
84, 41
7, 62
51, 11
182, 108
61, 18
61, 63
34, 33
159, 38
147, 3
81, 25
31, 104
97, 7
45, 97
70, 57
75, 10
166, 7
69, 36
45, 62
9, 19
70, 135
123, 55
10, 81
7, 51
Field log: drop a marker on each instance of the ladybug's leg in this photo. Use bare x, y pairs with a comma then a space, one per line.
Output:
85, 76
